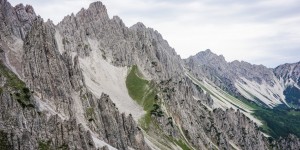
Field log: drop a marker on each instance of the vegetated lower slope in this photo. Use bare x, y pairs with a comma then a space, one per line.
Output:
146, 94
279, 121
15, 86
143, 92
292, 95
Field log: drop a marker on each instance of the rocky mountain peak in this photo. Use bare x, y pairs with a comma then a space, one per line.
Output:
209, 56
289, 71
98, 10
118, 20
289, 75
3, 2
138, 25
95, 12
21, 10
18, 18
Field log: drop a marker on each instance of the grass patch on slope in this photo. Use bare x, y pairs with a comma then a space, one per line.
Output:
182, 145
13, 84
12, 80
143, 92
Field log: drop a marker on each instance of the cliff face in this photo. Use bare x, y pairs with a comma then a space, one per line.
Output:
64, 87
57, 111
15, 23
289, 75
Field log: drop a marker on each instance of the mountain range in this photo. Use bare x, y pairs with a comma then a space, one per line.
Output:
265, 86
89, 82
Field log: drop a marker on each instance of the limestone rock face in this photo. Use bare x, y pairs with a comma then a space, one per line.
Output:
30, 124
239, 129
120, 45
16, 20
211, 64
15, 23
290, 142
61, 112
44, 69
290, 73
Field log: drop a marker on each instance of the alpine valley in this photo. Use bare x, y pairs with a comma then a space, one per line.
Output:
92, 83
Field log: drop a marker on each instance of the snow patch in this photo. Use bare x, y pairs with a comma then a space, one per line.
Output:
100, 76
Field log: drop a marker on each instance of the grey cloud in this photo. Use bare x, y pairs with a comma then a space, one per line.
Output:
254, 10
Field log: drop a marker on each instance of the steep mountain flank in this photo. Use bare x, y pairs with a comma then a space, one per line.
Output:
289, 75
250, 82
60, 105
242, 79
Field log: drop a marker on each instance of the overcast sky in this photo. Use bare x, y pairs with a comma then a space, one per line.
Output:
258, 31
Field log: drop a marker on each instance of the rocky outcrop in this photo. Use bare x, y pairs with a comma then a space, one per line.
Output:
291, 142
44, 69
16, 20
24, 124
289, 73
15, 23
55, 116
120, 131
238, 129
